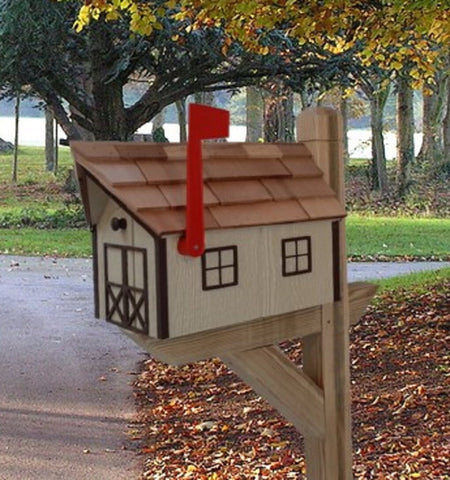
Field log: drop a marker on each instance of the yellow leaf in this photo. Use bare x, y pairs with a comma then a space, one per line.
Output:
84, 15
96, 12
112, 15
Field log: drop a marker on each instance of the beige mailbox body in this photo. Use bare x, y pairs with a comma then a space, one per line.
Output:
272, 234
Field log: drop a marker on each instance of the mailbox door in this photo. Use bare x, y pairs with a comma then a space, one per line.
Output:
126, 289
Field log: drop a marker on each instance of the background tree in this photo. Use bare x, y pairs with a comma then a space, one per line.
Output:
16, 139
446, 128
89, 71
50, 150
391, 32
279, 120
376, 89
434, 107
182, 118
344, 109
379, 35
254, 113
405, 134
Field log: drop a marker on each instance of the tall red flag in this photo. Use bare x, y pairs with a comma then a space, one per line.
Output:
204, 122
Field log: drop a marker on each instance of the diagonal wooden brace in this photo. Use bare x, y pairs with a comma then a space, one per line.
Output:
275, 378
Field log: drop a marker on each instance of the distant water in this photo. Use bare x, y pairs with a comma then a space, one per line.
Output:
32, 132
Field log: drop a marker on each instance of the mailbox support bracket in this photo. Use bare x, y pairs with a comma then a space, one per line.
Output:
307, 397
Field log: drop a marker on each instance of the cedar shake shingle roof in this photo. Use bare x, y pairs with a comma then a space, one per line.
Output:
244, 184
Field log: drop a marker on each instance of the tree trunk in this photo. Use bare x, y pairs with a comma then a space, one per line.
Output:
56, 149
378, 172
289, 122
16, 139
405, 135
255, 114
433, 116
343, 107
182, 119
49, 140
109, 116
279, 118
110, 119
446, 127
79, 130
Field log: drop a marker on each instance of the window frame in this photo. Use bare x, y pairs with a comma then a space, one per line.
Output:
285, 256
220, 267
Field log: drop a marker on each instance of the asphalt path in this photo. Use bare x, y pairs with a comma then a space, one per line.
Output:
65, 393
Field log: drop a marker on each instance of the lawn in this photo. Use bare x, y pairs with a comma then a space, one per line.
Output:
368, 239
57, 243
31, 166
39, 200
418, 281
386, 238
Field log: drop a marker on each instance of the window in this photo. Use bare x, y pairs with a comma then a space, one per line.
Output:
296, 255
219, 268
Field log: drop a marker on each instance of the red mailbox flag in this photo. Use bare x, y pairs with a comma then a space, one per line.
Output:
204, 122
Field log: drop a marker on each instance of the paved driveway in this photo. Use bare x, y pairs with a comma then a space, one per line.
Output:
65, 395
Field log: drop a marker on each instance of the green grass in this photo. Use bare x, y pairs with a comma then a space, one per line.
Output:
60, 243
37, 201
367, 237
418, 281
31, 165
383, 237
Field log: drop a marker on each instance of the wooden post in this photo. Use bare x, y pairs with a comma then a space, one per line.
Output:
326, 354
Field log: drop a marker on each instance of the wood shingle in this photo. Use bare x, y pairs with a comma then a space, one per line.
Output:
244, 184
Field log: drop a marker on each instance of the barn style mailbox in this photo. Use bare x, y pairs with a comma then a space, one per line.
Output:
227, 249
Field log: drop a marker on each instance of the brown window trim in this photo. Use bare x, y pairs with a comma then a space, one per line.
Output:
220, 267
335, 232
296, 255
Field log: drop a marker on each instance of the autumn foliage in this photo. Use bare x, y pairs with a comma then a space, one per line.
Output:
392, 34
201, 422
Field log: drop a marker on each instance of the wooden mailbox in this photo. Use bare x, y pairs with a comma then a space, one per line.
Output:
274, 267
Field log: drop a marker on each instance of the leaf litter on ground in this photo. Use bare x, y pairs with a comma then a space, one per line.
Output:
201, 422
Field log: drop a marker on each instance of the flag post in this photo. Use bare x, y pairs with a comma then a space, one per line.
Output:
204, 122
